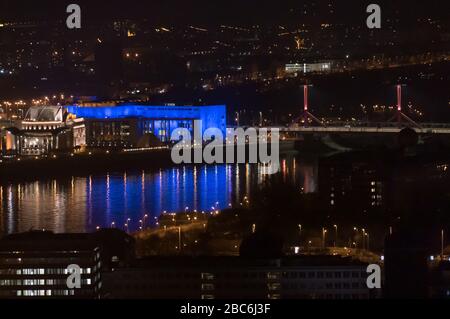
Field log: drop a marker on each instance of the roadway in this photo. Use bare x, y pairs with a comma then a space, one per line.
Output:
429, 128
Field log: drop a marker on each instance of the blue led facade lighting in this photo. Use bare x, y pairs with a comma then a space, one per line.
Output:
213, 116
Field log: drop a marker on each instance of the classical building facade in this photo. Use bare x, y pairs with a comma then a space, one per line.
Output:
47, 129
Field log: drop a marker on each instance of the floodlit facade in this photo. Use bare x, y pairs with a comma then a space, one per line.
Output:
2, 114
46, 129
130, 125
49, 129
6, 138
321, 67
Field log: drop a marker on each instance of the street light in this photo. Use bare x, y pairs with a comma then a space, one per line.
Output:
179, 238
336, 239
368, 240
145, 219
363, 239
300, 233
355, 237
324, 233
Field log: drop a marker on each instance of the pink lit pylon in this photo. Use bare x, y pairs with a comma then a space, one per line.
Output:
400, 116
306, 115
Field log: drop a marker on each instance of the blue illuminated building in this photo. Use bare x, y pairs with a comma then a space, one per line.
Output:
131, 125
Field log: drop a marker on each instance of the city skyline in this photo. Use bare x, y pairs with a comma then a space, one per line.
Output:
224, 150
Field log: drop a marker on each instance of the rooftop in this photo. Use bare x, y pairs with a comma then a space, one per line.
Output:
44, 114
49, 241
226, 262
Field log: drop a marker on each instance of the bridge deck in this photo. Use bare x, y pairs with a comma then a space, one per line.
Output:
340, 129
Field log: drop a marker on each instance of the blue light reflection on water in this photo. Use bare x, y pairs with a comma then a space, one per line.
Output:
80, 204
119, 197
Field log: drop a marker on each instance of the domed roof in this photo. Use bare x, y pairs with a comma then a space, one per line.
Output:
44, 114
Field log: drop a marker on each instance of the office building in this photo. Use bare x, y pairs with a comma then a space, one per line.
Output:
308, 277
34, 265
321, 67
131, 125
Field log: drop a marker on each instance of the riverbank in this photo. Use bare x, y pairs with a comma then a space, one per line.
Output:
26, 169
29, 169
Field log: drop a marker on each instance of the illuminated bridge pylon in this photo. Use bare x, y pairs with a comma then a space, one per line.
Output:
307, 117
401, 117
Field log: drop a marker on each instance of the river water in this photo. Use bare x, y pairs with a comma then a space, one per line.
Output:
80, 204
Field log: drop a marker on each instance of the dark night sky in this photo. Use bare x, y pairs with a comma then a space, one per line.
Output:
219, 11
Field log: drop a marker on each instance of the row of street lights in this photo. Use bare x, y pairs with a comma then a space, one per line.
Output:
143, 221
365, 234
142, 224
365, 237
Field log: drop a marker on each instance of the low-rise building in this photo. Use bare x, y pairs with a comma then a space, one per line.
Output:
35, 265
440, 279
308, 277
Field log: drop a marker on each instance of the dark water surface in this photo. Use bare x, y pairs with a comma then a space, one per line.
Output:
79, 204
